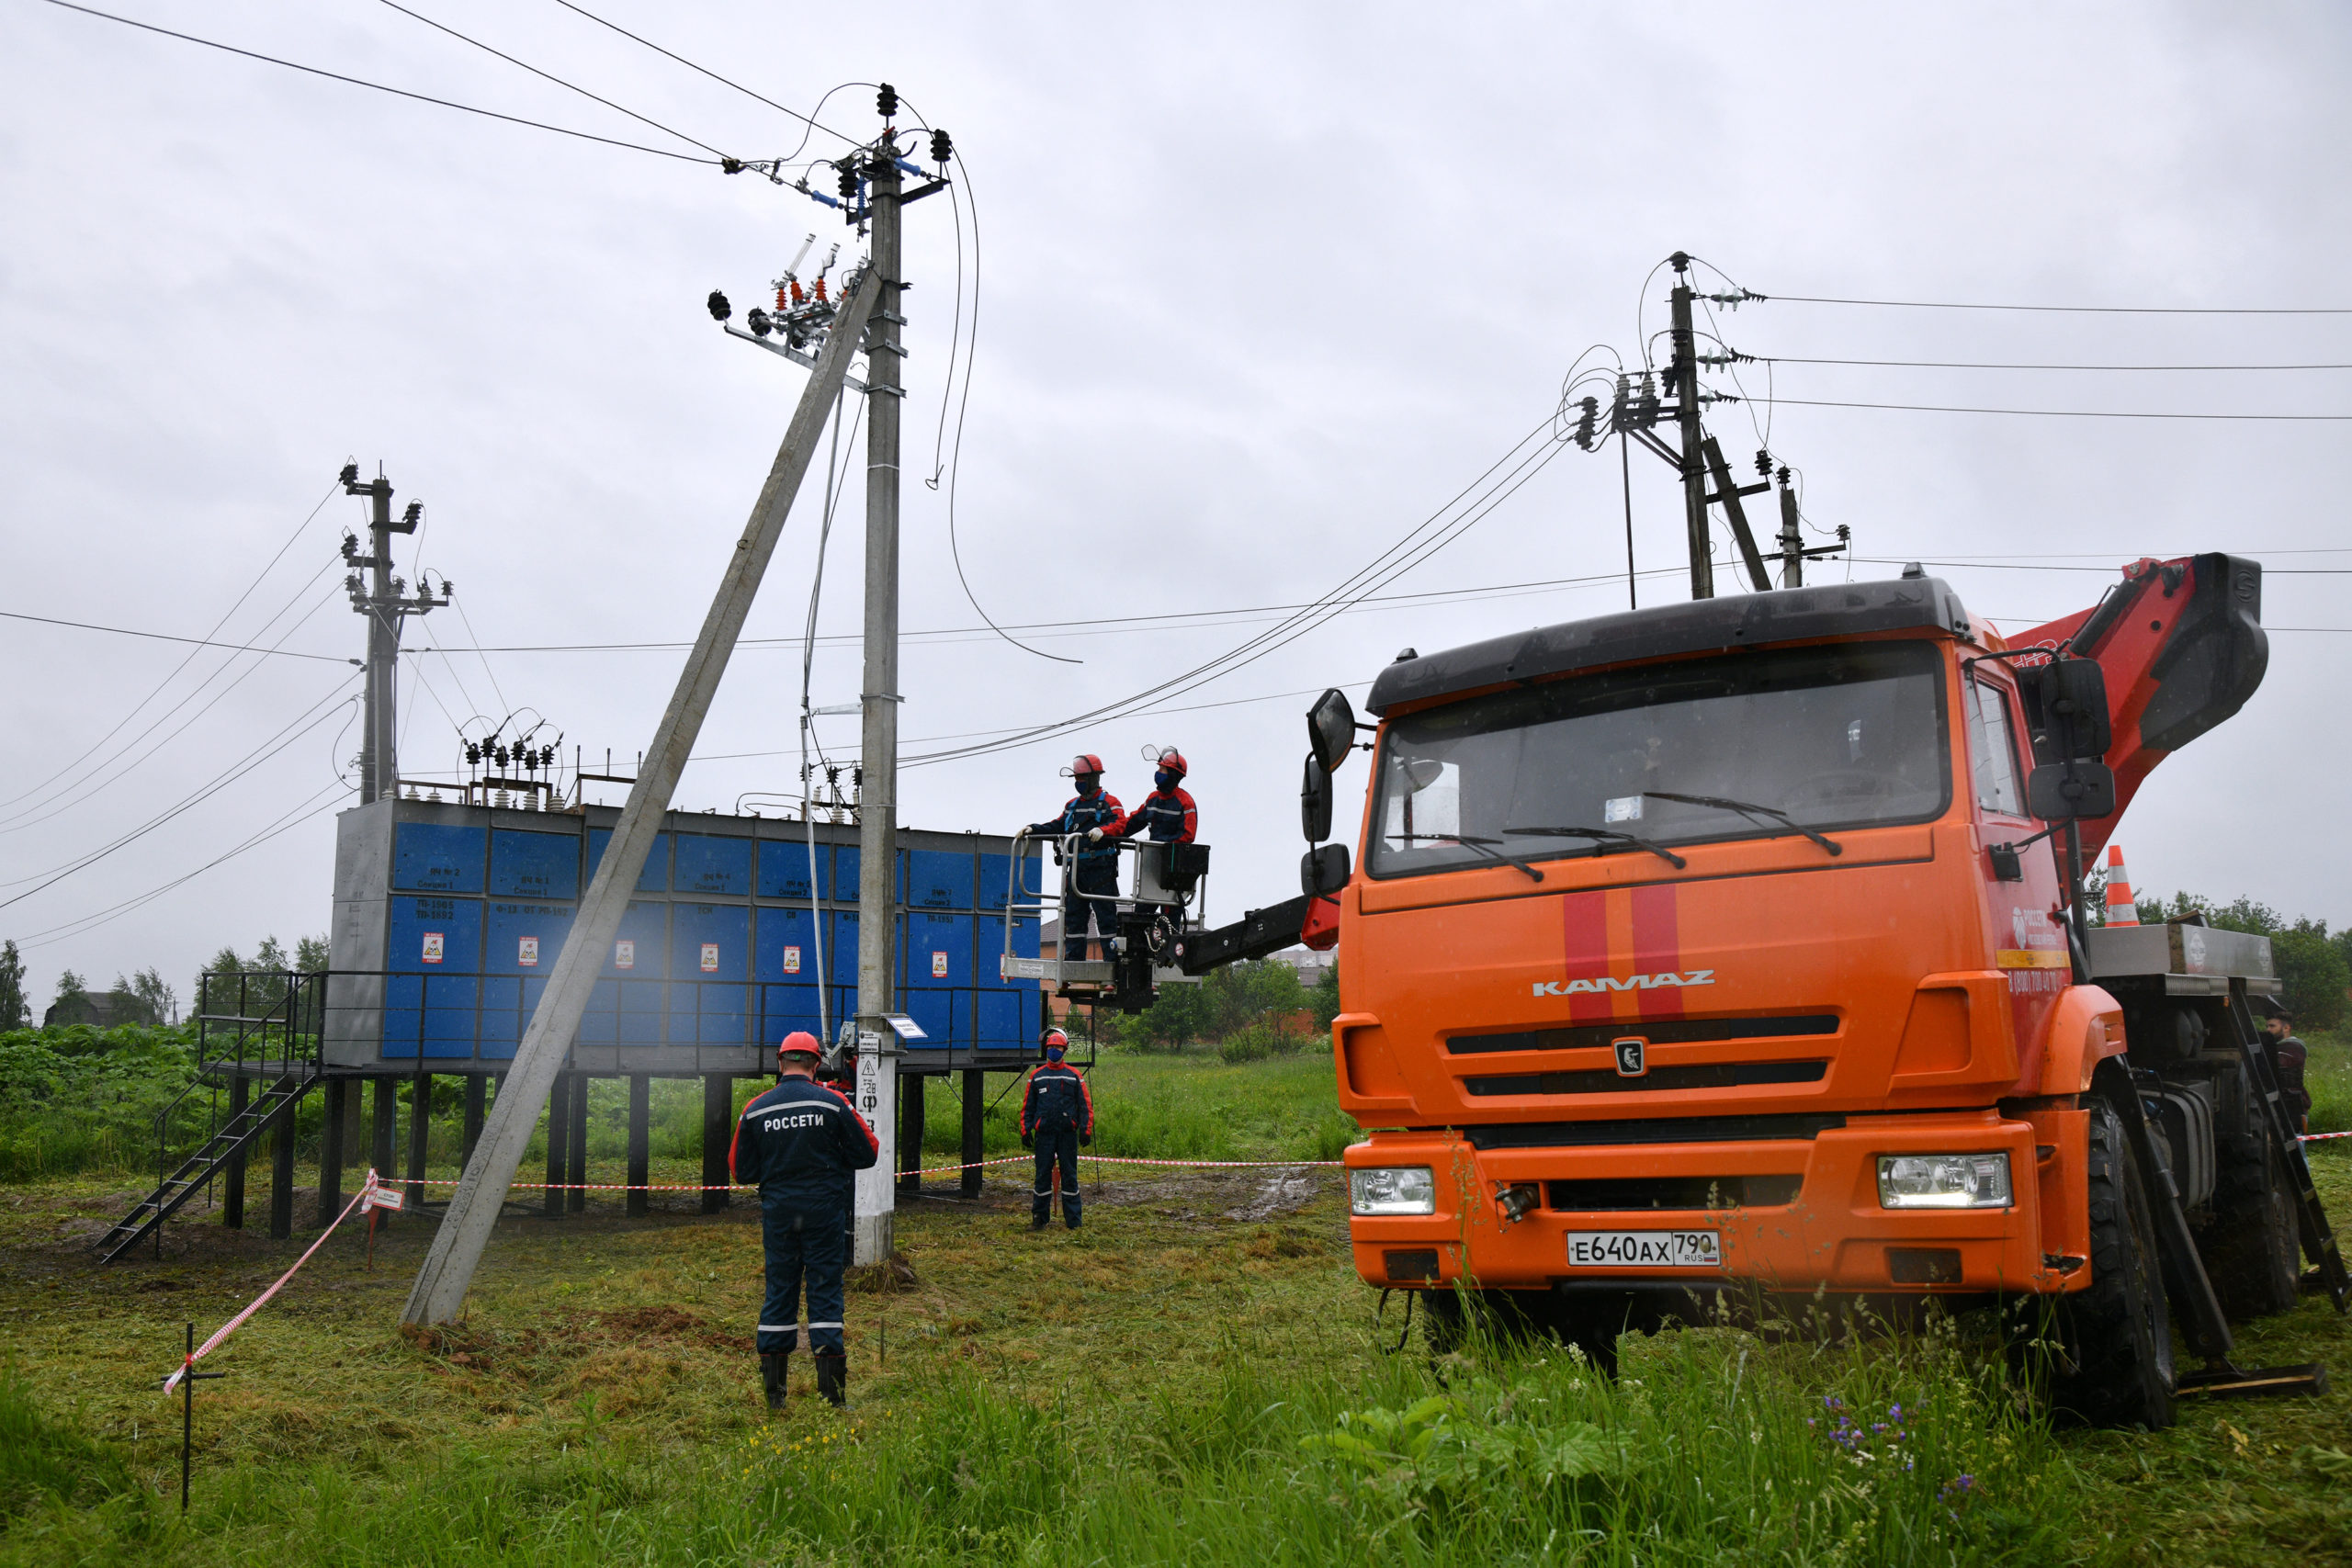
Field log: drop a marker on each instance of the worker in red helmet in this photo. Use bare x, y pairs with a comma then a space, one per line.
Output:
1167, 813
799, 1141
1090, 890
1056, 1116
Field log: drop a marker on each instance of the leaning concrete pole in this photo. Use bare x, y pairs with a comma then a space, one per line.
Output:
465, 1230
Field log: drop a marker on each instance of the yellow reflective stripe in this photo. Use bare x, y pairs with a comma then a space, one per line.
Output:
2031, 958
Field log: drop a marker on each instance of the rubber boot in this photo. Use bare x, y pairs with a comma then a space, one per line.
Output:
772, 1370
833, 1379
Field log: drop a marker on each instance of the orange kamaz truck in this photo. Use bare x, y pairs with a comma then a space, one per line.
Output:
1739, 945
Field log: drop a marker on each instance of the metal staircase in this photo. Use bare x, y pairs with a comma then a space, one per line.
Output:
252, 1028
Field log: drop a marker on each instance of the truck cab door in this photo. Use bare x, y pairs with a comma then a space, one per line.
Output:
2026, 941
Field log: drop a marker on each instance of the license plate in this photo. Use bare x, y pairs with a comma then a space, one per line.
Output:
1644, 1249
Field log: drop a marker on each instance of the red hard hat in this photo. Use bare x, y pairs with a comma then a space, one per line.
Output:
1173, 760
799, 1042
1055, 1037
1085, 763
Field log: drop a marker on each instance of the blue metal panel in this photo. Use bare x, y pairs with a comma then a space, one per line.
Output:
428, 857
784, 870
935, 1014
507, 1003
1008, 1020
990, 930
600, 1024
840, 947
641, 947
846, 861
784, 946
432, 1012
939, 879
784, 1008
435, 936
996, 872
524, 938
939, 950
534, 865
709, 864
710, 944
654, 878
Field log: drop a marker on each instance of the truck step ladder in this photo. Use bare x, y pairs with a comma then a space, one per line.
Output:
233, 1137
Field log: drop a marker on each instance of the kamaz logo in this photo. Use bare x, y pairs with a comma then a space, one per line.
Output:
1629, 982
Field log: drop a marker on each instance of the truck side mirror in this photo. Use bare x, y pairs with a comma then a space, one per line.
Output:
2065, 710
1332, 729
1323, 872
1315, 801
2056, 792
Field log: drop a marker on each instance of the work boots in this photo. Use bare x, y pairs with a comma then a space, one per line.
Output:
772, 1370
833, 1379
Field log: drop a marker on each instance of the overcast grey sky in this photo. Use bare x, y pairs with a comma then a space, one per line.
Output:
1259, 289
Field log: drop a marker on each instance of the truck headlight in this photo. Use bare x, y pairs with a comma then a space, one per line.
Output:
1943, 1181
1397, 1190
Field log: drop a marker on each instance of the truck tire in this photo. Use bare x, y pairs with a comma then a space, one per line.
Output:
2253, 1252
2115, 1337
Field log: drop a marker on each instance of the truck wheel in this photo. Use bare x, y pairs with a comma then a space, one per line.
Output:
2115, 1337
2253, 1252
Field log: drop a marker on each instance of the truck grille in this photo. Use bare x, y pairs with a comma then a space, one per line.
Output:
1696, 1075
1674, 1192
1662, 1130
1658, 1031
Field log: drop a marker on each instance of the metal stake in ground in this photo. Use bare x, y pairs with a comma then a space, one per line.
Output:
188, 1374
440, 1287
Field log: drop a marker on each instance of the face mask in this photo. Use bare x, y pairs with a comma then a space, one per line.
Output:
1090, 783
1053, 1052
1165, 779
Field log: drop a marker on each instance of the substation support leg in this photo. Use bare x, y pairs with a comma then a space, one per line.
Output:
420, 1128
640, 1142
477, 1091
281, 1176
718, 1130
558, 1129
576, 1147
379, 1138
911, 1133
339, 1095
232, 1180
975, 1108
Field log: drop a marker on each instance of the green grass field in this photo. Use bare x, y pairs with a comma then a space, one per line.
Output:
1195, 1376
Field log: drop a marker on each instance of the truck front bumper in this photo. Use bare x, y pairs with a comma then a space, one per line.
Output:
1832, 1233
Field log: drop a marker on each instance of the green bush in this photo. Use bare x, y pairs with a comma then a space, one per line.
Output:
81, 1098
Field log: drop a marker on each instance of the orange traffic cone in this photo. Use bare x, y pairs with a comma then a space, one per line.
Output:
2120, 909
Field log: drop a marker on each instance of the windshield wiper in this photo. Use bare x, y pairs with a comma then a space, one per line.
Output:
1603, 834
1484, 846
1750, 810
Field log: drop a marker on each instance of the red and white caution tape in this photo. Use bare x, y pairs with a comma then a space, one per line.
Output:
188, 1363
2323, 1137
928, 1170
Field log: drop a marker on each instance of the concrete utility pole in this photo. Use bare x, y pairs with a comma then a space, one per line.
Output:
1693, 461
1791, 541
878, 821
382, 599
440, 1287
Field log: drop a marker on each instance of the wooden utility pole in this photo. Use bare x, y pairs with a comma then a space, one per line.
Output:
440, 1287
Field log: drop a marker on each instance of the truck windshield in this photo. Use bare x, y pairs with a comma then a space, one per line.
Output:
1840, 737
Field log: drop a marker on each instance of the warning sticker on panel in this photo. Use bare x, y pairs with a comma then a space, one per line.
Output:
938, 965
1644, 1249
433, 947
710, 958
792, 961
625, 954
527, 956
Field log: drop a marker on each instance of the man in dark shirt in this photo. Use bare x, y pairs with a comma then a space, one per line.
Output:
799, 1141
2287, 1055
1090, 889
1057, 1115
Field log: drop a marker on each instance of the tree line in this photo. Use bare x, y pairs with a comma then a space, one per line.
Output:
144, 995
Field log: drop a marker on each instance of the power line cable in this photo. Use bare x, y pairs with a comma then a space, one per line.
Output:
1988, 364
722, 81
2077, 414
160, 637
550, 76
2065, 310
381, 87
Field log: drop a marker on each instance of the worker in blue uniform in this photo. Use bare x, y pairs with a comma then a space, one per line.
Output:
1167, 813
1089, 891
1056, 1116
799, 1141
